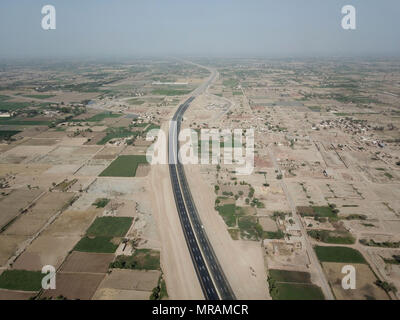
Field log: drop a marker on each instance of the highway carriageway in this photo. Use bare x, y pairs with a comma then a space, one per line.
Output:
209, 272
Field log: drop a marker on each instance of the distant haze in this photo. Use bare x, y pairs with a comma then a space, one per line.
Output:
287, 28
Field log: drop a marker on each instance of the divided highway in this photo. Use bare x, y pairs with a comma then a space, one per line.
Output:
209, 272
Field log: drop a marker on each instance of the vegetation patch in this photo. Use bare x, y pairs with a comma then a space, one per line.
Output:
336, 237
7, 134
102, 116
110, 226
250, 229
97, 244
21, 280
290, 276
228, 213
274, 234
11, 106
101, 202
65, 185
11, 121
292, 285
142, 259
170, 92
315, 108
230, 83
160, 291
124, 166
339, 254
388, 287
116, 133
234, 233
296, 291
152, 126
135, 102
355, 217
394, 260
384, 244
329, 212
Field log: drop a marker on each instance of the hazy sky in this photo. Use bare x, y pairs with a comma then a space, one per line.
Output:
199, 27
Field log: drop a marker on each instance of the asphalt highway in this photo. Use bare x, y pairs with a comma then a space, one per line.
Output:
209, 272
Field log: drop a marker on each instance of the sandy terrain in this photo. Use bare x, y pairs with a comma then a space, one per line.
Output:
45, 250
138, 280
9, 244
365, 287
18, 199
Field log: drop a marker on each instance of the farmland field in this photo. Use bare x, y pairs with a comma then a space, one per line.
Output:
102, 116
124, 166
120, 132
171, 92
145, 259
7, 134
227, 212
96, 244
292, 285
24, 122
365, 282
71, 286
110, 226
10, 106
21, 280
290, 276
297, 291
339, 254
87, 262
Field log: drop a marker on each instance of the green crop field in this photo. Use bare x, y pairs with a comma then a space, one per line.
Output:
97, 244
142, 259
326, 236
292, 285
21, 280
228, 213
124, 166
110, 226
151, 127
338, 254
170, 92
102, 116
119, 132
10, 106
24, 122
230, 83
297, 291
7, 134
324, 211
250, 228
135, 102
290, 276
